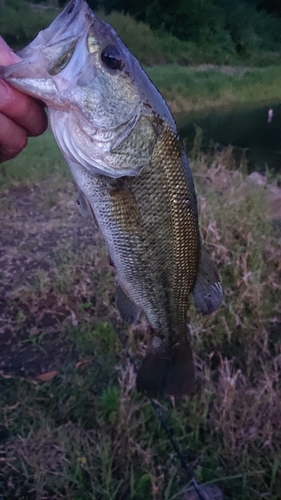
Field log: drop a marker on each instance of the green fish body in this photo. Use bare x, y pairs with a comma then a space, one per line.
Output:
121, 143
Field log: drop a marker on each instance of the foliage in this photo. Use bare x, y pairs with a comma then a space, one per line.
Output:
250, 29
190, 32
146, 45
20, 21
270, 6
154, 47
236, 27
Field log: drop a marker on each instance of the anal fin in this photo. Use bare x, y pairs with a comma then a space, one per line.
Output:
207, 292
128, 310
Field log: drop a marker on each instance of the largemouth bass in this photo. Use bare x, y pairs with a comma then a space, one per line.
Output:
122, 146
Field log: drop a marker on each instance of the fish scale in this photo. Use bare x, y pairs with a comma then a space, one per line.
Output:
142, 248
185, 240
122, 146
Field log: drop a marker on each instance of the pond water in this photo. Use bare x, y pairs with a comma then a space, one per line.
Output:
244, 129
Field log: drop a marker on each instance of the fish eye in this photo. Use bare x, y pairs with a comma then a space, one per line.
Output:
111, 57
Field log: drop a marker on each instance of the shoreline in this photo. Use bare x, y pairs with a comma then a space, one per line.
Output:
208, 87
180, 109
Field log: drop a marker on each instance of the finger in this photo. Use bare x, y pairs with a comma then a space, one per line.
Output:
24, 110
13, 138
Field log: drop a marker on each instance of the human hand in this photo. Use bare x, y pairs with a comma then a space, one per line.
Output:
20, 115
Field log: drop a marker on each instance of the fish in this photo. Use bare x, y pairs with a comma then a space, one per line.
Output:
133, 177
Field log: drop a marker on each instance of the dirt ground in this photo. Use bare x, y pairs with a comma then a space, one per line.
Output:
38, 227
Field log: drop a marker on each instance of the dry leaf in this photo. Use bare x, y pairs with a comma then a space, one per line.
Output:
74, 320
45, 377
34, 331
82, 362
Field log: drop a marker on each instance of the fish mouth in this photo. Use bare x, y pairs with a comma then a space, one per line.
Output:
69, 23
33, 75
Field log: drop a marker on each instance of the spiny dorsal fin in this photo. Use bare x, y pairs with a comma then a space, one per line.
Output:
207, 292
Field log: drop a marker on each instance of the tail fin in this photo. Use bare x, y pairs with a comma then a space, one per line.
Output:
170, 372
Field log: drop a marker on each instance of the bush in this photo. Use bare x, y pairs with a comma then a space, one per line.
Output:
233, 27
20, 22
149, 47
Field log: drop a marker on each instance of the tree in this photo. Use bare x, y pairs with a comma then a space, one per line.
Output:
270, 6
186, 19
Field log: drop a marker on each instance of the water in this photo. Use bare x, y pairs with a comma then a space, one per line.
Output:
244, 129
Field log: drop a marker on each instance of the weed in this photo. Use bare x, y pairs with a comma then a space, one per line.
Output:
87, 433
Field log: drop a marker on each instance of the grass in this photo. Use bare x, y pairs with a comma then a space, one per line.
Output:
84, 432
46, 160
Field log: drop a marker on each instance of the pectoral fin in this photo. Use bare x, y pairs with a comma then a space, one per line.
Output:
82, 204
85, 207
137, 147
207, 292
128, 310
124, 208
